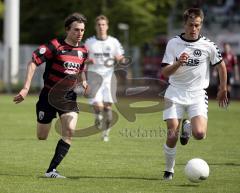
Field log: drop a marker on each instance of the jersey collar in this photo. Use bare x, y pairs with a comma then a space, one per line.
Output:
184, 39
101, 39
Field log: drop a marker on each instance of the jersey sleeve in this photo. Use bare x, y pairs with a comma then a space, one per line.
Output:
83, 67
119, 49
44, 52
169, 56
215, 55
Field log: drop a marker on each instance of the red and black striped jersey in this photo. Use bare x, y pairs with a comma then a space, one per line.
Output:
61, 60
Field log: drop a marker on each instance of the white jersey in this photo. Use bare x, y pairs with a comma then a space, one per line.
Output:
194, 75
102, 51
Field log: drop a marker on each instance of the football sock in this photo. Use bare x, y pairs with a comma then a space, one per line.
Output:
108, 117
170, 154
60, 152
98, 115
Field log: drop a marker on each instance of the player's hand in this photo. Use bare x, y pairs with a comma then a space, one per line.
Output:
222, 97
20, 96
84, 84
123, 61
82, 89
183, 59
87, 91
86, 88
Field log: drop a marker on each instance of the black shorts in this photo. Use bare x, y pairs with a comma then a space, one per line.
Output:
47, 107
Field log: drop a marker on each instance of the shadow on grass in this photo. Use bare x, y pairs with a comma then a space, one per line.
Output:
187, 185
216, 164
15, 175
225, 164
112, 177
19, 139
230, 164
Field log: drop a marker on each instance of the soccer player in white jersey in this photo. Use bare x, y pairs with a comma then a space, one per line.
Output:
104, 52
186, 62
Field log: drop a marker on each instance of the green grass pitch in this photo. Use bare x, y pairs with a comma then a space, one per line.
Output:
131, 162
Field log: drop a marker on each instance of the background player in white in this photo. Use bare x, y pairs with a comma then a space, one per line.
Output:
186, 62
103, 51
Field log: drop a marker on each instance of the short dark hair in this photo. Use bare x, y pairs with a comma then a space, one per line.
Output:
192, 13
74, 17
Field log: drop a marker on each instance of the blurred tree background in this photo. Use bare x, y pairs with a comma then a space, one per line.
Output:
43, 20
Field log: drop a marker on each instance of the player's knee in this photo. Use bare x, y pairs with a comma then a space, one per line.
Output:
69, 132
199, 135
172, 135
42, 131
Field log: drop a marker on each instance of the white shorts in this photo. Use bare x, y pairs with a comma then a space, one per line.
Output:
105, 89
194, 103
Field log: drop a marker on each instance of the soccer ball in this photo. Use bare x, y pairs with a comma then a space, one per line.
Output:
197, 170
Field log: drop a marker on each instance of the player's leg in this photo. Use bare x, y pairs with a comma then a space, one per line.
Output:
68, 125
199, 127
43, 130
198, 115
45, 114
95, 82
186, 131
107, 114
172, 116
97, 103
109, 97
169, 147
68, 122
98, 111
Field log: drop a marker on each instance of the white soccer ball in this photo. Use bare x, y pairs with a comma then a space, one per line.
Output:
197, 170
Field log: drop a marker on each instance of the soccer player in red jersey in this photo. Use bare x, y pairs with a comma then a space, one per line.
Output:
230, 60
63, 57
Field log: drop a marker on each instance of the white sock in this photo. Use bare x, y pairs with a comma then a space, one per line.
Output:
106, 132
99, 116
170, 154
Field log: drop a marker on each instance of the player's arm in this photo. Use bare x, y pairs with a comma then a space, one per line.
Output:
236, 72
84, 80
81, 87
119, 54
171, 69
222, 92
83, 77
31, 68
39, 56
